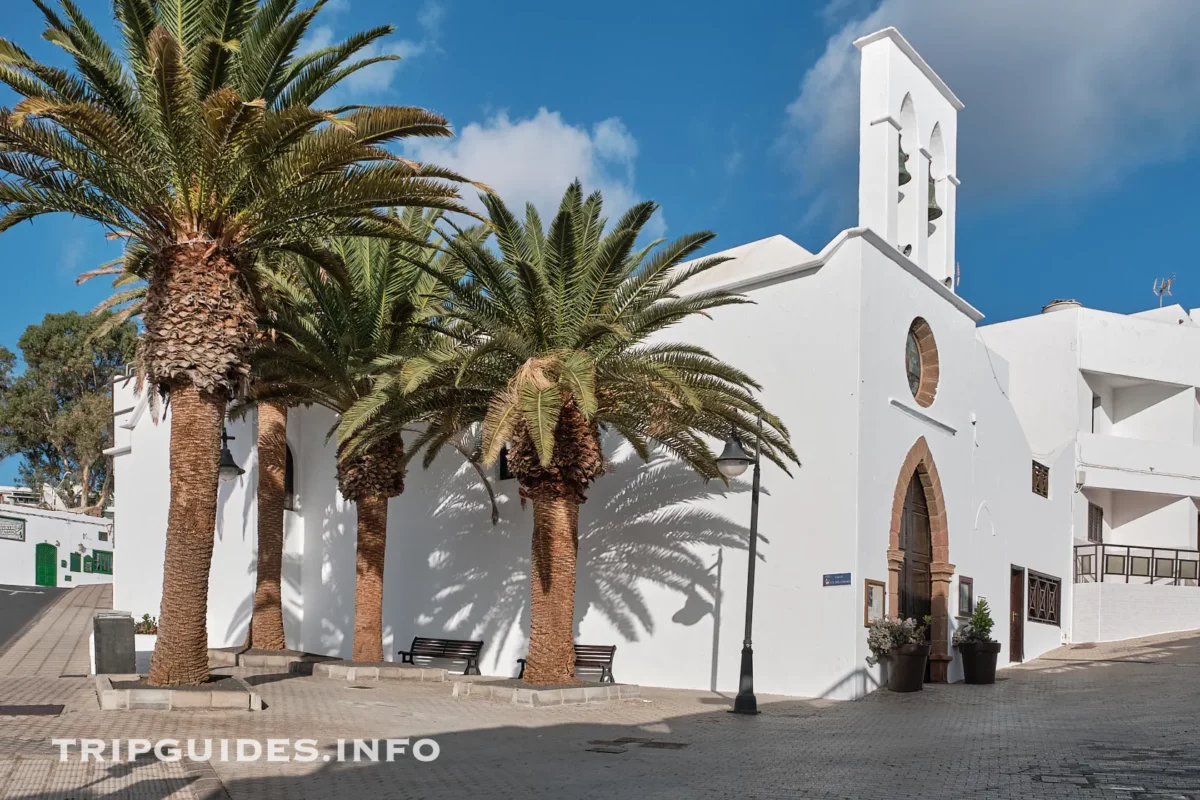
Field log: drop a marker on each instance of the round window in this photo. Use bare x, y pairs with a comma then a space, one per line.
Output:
912, 359
921, 362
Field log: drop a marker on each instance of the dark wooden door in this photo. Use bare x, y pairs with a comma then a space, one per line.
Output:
916, 589
1016, 616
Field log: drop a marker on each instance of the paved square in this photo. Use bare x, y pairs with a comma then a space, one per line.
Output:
1105, 721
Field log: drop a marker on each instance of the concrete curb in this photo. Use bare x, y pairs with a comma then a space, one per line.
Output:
341, 670
538, 698
227, 657
166, 699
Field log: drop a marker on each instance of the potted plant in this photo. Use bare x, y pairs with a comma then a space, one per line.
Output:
974, 642
902, 643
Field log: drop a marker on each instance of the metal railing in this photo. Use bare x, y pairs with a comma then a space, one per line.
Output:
1123, 563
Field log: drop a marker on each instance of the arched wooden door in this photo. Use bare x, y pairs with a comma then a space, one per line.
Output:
916, 587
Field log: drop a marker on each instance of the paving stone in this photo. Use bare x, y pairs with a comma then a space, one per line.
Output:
1118, 724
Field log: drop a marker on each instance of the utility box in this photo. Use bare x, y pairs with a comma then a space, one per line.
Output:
115, 653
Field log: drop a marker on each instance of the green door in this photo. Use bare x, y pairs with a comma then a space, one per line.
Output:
47, 564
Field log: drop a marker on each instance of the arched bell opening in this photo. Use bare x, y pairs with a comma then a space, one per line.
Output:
938, 227
909, 174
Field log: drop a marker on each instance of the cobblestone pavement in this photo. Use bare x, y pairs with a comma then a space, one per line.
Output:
1109, 721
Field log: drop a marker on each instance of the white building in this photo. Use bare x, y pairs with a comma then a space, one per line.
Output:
1116, 395
928, 480
54, 548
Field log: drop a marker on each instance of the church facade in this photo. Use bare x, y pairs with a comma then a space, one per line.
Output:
922, 489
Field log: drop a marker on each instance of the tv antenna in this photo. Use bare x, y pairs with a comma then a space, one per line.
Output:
1163, 286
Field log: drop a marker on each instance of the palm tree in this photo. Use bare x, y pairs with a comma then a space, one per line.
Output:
330, 340
557, 338
199, 144
266, 630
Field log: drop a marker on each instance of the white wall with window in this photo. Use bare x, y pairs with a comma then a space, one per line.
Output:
54, 548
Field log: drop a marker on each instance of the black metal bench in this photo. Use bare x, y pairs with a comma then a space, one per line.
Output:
456, 649
590, 656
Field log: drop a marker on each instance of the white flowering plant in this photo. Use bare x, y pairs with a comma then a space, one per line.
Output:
888, 633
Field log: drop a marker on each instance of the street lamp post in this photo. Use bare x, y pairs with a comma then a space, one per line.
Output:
732, 462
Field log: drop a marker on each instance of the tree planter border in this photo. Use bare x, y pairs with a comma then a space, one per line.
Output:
364, 671
498, 692
275, 659
164, 698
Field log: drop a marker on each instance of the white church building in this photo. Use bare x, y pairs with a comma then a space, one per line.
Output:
943, 462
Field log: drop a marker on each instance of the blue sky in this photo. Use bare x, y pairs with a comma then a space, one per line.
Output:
1078, 144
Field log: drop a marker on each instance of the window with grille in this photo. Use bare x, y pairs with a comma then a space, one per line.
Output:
1044, 592
1041, 479
1095, 523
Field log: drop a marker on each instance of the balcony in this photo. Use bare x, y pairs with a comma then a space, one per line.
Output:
1120, 563
1140, 465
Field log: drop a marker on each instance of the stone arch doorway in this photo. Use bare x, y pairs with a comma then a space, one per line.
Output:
916, 501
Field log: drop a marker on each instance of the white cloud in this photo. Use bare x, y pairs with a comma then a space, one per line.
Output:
1060, 96
534, 160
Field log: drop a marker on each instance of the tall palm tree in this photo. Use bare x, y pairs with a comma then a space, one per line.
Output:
199, 144
557, 337
266, 629
330, 340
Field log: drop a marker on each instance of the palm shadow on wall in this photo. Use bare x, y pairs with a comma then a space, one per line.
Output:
642, 525
235, 633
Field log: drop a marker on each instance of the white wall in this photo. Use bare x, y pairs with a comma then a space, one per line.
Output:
1107, 611
70, 533
1152, 520
1154, 412
1044, 382
662, 554
141, 500
994, 519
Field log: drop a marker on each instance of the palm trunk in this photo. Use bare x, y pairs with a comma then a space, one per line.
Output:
181, 653
552, 610
266, 624
368, 588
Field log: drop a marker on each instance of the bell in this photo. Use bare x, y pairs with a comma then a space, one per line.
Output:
934, 210
904, 176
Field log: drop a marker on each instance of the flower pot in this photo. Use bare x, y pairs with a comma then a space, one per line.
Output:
906, 667
979, 661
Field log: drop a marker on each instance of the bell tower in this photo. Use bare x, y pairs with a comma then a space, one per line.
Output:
907, 159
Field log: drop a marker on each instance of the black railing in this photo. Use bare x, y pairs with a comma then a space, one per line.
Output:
1123, 563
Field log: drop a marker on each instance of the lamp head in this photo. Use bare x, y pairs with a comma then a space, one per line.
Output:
734, 459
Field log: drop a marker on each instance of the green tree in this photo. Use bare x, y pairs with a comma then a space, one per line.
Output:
329, 341
57, 413
556, 337
200, 144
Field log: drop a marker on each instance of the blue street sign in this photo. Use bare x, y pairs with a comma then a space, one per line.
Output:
836, 579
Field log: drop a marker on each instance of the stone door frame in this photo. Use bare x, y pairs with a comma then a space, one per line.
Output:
920, 461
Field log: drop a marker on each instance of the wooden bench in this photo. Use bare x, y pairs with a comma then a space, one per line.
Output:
456, 649
590, 656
